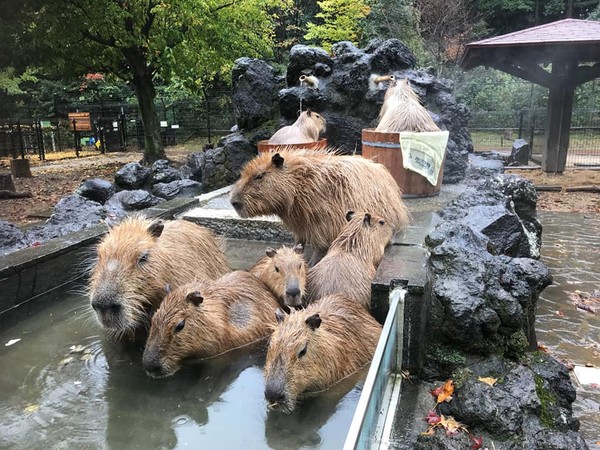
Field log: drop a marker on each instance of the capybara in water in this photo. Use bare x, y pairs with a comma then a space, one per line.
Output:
206, 319
284, 272
311, 191
313, 348
307, 128
351, 262
139, 257
402, 109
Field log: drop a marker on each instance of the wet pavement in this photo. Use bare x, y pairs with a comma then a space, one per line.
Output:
565, 323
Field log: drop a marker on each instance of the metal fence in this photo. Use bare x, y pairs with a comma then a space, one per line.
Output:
496, 130
116, 126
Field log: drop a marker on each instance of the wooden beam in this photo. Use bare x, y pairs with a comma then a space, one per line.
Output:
583, 74
528, 72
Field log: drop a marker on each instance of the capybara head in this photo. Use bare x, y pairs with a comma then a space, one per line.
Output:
286, 274
314, 348
312, 123
265, 187
121, 281
172, 332
364, 234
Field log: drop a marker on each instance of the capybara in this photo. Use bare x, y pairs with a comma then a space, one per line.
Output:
307, 128
402, 109
352, 260
139, 257
284, 272
314, 348
311, 191
206, 319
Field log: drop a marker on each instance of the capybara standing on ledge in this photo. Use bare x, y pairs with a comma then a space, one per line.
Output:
311, 191
202, 320
139, 257
316, 347
352, 260
307, 128
284, 272
402, 109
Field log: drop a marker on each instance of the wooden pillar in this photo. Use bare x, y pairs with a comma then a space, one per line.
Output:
558, 122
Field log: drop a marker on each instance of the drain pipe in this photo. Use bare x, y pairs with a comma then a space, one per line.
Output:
374, 416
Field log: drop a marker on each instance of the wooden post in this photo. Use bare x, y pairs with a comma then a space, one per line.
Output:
558, 122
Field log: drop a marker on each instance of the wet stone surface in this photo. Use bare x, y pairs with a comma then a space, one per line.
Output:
571, 250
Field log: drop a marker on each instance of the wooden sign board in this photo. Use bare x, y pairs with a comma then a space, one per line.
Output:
82, 120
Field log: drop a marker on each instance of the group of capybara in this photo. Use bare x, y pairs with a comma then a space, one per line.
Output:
171, 279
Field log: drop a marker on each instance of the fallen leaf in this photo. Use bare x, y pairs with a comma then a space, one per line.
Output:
76, 349
30, 409
488, 380
432, 417
66, 361
437, 391
560, 313
451, 425
446, 394
477, 442
542, 348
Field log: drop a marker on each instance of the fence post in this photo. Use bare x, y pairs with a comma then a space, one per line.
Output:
58, 135
77, 142
41, 149
521, 124
532, 132
208, 126
21, 142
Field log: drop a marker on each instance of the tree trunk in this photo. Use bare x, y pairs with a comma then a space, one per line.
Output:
145, 93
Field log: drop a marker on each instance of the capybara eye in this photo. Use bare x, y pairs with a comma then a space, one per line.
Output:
302, 352
382, 222
144, 257
276, 269
259, 176
180, 326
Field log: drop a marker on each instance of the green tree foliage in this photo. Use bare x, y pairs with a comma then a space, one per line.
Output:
141, 41
341, 20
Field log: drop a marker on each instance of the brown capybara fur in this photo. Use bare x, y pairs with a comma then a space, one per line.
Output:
314, 348
307, 128
138, 258
352, 260
402, 109
284, 272
311, 191
206, 319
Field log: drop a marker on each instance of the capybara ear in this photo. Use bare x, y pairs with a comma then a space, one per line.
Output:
195, 298
308, 112
277, 160
279, 315
349, 215
314, 322
156, 228
299, 248
367, 219
167, 288
270, 252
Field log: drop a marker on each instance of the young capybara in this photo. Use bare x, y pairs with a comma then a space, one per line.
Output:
352, 260
206, 319
314, 348
307, 128
311, 191
284, 272
138, 258
402, 109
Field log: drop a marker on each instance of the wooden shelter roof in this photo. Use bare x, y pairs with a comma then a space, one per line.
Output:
573, 39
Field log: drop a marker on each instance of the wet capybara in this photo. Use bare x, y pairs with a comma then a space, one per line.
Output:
284, 272
139, 257
206, 319
352, 260
307, 128
311, 191
314, 348
402, 109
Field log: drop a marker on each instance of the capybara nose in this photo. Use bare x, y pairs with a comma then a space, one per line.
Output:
293, 292
274, 396
152, 365
237, 205
105, 306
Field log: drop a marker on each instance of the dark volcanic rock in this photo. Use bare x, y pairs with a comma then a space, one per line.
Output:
304, 60
217, 170
254, 92
132, 176
392, 55
97, 190
162, 172
194, 166
239, 151
11, 238
124, 202
177, 188
520, 152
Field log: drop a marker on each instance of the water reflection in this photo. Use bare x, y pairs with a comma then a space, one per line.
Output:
571, 250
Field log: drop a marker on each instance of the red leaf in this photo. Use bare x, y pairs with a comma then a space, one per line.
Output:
432, 417
477, 442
